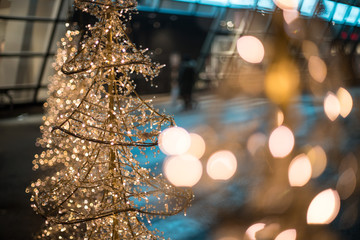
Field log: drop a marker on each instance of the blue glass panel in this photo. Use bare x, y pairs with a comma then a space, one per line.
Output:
215, 2
326, 14
242, 3
308, 7
191, 1
266, 5
353, 15
340, 11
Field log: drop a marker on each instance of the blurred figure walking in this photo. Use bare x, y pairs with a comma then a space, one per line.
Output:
186, 81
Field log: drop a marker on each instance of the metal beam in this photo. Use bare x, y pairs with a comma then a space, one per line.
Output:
30, 19
25, 54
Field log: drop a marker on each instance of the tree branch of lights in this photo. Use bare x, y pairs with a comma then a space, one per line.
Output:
94, 132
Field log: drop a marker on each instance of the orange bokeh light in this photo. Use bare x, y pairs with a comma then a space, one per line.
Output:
317, 68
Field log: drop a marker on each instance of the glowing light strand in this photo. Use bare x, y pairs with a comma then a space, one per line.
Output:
94, 123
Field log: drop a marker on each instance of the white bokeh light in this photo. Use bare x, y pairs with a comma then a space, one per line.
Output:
183, 170
346, 102
289, 234
252, 230
331, 106
281, 142
197, 146
287, 4
324, 208
250, 49
299, 171
174, 141
221, 165
290, 15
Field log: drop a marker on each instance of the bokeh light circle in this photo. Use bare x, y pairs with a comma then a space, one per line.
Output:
174, 141
250, 49
324, 208
197, 146
221, 165
281, 142
183, 170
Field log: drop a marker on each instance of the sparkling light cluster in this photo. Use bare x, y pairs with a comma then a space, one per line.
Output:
96, 131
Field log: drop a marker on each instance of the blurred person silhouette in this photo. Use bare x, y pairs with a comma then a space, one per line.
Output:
186, 81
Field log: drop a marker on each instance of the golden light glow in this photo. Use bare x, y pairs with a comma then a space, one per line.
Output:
317, 68
183, 170
256, 141
174, 141
197, 146
324, 208
282, 82
331, 106
346, 102
252, 230
250, 49
289, 234
281, 141
317, 157
290, 15
287, 4
346, 184
280, 118
309, 49
221, 165
299, 171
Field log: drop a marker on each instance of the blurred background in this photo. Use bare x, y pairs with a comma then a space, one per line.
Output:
259, 65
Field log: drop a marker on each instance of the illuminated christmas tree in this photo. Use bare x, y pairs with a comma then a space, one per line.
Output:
95, 131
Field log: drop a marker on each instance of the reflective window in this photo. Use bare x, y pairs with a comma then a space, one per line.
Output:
308, 7
266, 5
353, 15
340, 11
327, 12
